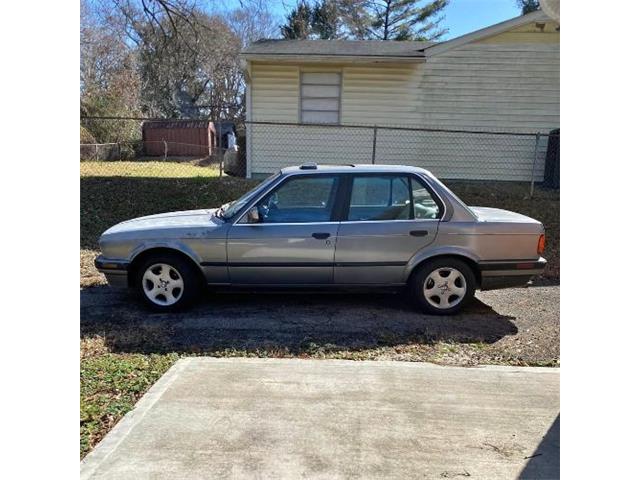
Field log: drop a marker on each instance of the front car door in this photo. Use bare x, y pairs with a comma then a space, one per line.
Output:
294, 241
388, 218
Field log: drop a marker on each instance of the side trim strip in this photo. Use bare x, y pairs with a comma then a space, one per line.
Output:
370, 264
303, 264
512, 265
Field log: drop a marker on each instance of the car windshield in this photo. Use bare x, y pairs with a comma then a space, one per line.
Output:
228, 210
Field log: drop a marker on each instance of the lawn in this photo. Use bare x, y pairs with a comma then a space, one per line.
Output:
113, 380
153, 169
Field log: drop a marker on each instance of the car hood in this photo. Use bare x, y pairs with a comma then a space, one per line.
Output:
486, 214
184, 219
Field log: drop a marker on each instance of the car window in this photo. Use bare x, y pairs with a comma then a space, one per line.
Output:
424, 206
384, 197
391, 197
305, 199
231, 208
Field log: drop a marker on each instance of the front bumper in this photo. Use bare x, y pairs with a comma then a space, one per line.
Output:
116, 271
509, 273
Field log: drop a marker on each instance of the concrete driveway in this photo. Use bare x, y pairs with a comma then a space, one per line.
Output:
269, 418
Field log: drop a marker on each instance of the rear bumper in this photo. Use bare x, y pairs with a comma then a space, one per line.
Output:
509, 273
116, 271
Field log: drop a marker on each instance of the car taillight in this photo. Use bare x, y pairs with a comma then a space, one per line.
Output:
541, 244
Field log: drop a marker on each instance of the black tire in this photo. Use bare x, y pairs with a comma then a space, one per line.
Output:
192, 280
418, 279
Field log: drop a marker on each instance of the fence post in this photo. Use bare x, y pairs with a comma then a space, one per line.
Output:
165, 149
221, 151
375, 141
533, 168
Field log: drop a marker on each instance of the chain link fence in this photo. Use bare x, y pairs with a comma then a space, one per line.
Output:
449, 154
261, 148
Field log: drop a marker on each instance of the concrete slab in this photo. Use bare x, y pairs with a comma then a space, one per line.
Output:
269, 418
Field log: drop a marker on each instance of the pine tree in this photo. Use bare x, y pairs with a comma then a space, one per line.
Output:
298, 24
528, 6
325, 19
405, 19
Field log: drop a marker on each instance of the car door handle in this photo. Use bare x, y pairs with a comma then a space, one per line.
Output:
418, 233
320, 235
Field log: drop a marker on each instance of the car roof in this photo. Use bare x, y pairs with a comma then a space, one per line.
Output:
364, 168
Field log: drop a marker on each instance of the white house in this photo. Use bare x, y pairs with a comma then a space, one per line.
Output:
503, 78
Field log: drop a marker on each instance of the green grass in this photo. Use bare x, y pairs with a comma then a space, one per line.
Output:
148, 169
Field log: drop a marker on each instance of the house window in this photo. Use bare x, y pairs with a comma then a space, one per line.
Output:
320, 97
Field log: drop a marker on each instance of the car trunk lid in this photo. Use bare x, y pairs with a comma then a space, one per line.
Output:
486, 214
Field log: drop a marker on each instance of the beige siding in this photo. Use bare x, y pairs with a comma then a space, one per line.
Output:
275, 92
382, 94
482, 86
513, 87
485, 87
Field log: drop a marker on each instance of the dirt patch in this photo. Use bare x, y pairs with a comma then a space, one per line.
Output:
514, 327
89, 275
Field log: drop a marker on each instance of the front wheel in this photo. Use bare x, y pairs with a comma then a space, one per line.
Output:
168, 282
443, 286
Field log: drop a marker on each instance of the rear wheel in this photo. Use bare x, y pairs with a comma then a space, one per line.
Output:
168, 282
443, 286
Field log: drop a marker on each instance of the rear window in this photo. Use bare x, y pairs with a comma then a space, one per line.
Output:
390, 197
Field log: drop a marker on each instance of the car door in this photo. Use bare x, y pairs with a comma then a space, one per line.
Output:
294, 241
388, 218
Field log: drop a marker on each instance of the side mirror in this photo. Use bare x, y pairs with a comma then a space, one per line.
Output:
253, 215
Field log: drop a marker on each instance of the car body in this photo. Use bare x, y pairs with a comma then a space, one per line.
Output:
330, 226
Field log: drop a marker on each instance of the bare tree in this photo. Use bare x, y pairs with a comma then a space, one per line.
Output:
166, 58
253, 21
193, 71
161, 16
109, 80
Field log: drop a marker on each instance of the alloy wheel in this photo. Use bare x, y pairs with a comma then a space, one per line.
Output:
445, 288
162, 284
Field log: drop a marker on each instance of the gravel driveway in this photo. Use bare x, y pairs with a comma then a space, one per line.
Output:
516, 327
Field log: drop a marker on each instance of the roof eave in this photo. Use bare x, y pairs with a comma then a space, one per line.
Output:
263, 57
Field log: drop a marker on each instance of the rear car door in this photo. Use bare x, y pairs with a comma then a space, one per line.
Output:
294, 242
387, 219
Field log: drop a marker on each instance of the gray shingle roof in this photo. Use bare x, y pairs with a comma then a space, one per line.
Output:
354, 48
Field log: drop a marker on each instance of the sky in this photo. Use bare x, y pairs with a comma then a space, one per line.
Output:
464, 16
461, 16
